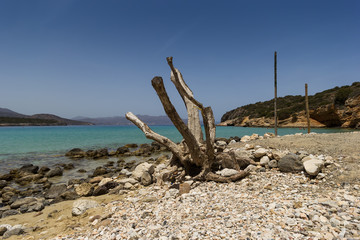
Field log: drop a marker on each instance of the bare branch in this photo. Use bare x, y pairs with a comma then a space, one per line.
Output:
173, 147
196, 154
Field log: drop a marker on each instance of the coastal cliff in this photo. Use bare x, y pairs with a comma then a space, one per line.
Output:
336, 107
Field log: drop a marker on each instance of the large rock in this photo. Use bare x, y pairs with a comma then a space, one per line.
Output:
58, 171
23, 201
84, 189
141, 169
80, 206
290, 163
100, 171
76, 153
14, 231
260, 152
313, 166
146, 179
55, 191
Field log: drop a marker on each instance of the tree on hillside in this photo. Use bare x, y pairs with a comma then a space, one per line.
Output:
195, 154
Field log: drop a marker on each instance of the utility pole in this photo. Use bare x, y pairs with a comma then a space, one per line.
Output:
275, 98
307, 107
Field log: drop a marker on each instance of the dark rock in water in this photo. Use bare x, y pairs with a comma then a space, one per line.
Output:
290, 163
122, 150
10, 212
7, 177
81, 170
57, 171
7, 197
102, 153
91, 153
100, 191
3, 184
75, 181
29, 168
131, 145
12, 232
55, 191
99, 171
69, 166
43, 170
28, 179
69, 195
76, 153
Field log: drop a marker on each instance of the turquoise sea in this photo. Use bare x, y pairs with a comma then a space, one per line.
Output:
47, 145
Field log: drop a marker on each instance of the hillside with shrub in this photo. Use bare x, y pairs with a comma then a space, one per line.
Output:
292, 107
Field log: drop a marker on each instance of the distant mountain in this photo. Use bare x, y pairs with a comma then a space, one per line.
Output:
117, 120
11, 118
4, 112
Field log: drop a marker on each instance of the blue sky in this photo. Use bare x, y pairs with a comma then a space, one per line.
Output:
97, 58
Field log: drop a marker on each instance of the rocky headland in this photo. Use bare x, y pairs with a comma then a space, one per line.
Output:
337, 107
300, 187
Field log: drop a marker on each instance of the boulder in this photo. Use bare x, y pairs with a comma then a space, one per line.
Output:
122, 150
13, 231
313, 166
290, 163
245, 138
23, 201
80, 206
29, 168
146, 179
260, 152
3, 229
227, 161
141, 169
76, 153
226, 172
99, 171
104, 181
9, 213
273, 164
55, 191
277, 155
84, 189
69, 195
264, 161
101, 190
184, 188
3, 184
57, 171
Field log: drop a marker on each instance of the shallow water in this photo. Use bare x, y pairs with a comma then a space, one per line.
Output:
46, 146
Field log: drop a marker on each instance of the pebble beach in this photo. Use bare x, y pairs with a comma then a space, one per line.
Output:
268, 204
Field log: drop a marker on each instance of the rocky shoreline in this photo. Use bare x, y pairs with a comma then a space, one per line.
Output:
288, 194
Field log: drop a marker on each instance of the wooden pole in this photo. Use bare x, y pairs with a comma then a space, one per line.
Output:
307, 107
275, 98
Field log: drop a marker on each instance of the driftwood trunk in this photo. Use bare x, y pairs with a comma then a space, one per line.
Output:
194, 151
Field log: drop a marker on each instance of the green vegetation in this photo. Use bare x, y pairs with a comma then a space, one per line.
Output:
27, 121
289, 105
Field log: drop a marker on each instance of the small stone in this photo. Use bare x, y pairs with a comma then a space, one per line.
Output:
260, 152
226, 172
273, 163
264, 161
184, 188
80, 206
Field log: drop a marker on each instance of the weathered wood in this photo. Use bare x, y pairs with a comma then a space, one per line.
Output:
275, 97
192, 110
194, 148
307, 107
173, 147
196, 156
217, 178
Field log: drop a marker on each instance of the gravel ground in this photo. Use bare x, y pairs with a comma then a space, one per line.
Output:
265, 205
